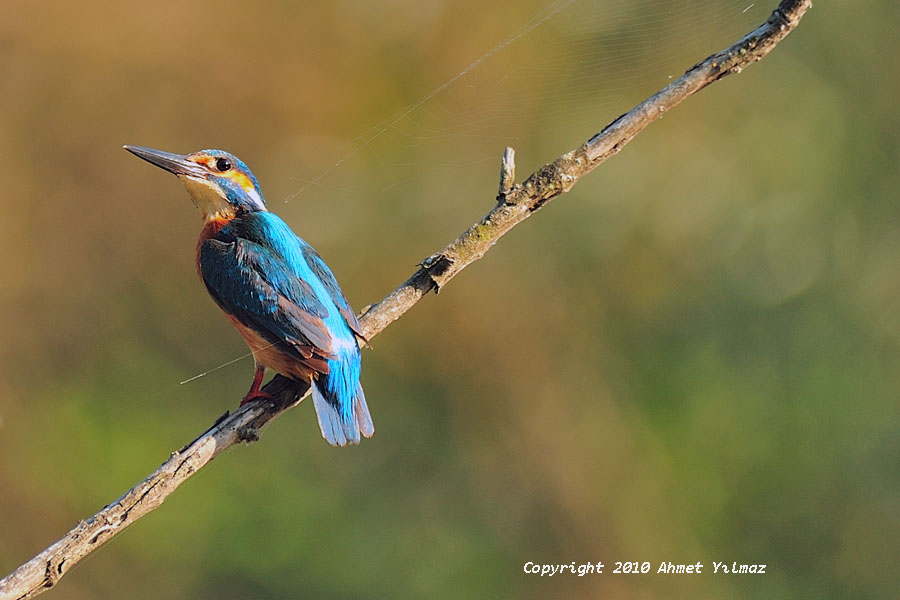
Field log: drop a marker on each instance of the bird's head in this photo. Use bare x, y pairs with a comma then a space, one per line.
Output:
219, 183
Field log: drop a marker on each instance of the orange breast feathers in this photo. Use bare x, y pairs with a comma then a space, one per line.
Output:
271, 356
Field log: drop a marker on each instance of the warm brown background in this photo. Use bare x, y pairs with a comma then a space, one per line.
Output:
691, 357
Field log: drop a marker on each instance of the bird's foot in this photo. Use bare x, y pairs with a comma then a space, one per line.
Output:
255, 395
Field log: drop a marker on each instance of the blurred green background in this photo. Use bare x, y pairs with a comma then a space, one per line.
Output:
693, 356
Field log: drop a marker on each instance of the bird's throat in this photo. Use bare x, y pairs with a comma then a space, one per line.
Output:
209, 199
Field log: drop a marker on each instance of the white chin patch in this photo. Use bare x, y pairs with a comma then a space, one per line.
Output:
207, 197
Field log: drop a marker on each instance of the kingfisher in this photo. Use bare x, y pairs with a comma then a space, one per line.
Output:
275, 289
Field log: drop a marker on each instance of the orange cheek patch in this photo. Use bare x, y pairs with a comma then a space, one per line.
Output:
242, 180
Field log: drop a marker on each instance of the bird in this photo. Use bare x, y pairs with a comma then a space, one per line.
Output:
275, 289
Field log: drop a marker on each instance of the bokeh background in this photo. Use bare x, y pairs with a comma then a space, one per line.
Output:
693, 356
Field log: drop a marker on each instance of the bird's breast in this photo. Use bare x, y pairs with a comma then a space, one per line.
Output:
273, 356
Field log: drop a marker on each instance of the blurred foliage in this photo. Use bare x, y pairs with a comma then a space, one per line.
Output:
693, 356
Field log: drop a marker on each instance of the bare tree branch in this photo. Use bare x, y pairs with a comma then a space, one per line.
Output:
515, 203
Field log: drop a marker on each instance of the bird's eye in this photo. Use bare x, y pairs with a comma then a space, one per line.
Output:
222, 164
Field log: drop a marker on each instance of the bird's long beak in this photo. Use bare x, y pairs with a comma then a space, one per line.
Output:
173, 163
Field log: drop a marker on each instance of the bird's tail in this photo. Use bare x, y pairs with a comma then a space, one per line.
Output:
341, 420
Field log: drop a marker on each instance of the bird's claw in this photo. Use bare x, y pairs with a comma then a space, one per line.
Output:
256, 395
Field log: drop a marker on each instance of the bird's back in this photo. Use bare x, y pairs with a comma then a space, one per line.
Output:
287, 305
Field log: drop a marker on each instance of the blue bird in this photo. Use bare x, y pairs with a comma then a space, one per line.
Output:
275, 289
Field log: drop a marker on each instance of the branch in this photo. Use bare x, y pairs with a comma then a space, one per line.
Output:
515, 203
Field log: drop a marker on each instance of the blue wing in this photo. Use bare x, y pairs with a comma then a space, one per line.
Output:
331, 286
272, 281
254, 285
